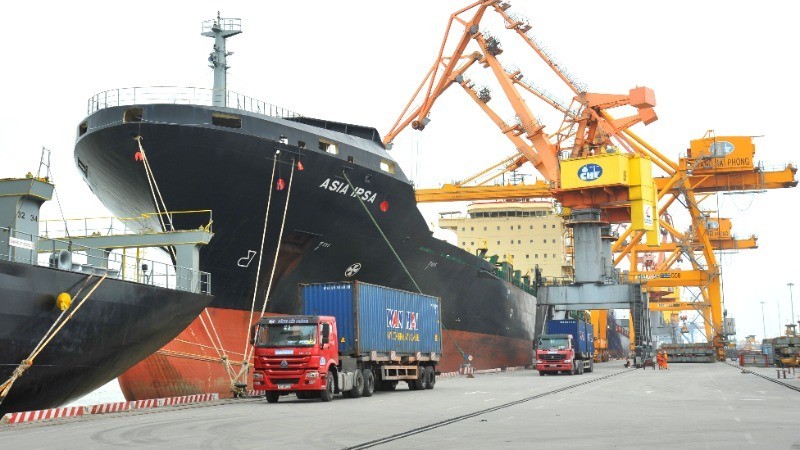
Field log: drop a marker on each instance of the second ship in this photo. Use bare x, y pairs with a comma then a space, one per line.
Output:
326, 196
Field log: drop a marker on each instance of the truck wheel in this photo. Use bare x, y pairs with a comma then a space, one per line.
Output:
272, 397
580, 368
591, 367
327, 394
358, 385
541, 373
431, 379
573, 370
369, 383
419, 383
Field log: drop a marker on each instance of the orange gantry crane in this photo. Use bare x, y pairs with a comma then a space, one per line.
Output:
594, 160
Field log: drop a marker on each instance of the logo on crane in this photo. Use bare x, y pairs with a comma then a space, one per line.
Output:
590, 172
720, 149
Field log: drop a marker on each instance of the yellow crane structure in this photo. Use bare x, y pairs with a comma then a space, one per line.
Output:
590, 141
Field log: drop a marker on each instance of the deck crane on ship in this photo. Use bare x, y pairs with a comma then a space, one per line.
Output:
602, 173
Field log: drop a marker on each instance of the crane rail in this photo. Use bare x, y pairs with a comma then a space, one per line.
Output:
432, 426
787, 385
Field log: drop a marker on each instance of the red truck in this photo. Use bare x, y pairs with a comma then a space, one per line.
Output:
352, 338
567, 346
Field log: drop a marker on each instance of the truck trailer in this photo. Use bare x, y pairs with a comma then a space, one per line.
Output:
566, 346
350, 338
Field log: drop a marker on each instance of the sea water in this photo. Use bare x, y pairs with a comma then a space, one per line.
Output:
108, 393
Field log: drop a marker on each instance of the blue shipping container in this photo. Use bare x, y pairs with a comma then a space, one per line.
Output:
582, 332
376, 318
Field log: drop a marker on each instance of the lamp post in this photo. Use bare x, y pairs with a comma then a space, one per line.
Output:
763, 322
791, 301
779, 318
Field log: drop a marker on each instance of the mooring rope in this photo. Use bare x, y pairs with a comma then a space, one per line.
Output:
220, 352
161, 210
155, 192
261, 248
249, 349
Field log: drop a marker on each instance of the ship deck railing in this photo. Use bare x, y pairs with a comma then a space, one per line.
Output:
18, 246
183, 96
114, 226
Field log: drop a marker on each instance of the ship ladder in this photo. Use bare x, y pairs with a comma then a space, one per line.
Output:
48, 336
391, 247
241, 377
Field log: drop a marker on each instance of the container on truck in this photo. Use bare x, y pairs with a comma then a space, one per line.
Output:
351, 338
567, 346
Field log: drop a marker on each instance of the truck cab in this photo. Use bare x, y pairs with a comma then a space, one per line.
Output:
555, 353
295, 354
569, 352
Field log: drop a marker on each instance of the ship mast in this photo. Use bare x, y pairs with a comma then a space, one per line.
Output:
220, 29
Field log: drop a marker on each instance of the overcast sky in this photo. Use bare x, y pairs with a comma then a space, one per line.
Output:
721, 65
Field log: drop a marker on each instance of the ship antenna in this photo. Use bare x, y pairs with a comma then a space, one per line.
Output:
220, 29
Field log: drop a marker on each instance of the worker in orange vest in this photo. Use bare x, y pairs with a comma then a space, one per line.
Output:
666, 361
660, 360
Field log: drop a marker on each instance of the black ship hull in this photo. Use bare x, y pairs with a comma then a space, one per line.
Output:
371, 224
619, 341
120, 324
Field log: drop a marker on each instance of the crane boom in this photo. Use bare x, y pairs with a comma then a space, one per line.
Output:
592, 141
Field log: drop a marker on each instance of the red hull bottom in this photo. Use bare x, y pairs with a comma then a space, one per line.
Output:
192, 364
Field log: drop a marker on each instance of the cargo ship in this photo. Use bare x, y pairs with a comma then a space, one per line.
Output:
295, 200
618, 335
71, 322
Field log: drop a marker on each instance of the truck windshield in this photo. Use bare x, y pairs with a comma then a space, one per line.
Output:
550, 343
287, 335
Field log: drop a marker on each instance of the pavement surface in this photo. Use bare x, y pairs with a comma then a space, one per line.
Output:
689, 406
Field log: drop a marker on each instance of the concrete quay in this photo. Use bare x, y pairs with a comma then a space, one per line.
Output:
689, 406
